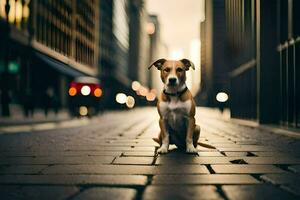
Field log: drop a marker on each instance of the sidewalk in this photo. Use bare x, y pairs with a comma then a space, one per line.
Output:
18, 118
114, 157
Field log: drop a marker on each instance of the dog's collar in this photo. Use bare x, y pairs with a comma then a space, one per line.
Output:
176, 94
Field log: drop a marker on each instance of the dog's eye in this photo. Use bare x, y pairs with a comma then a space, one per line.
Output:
179, 70
167, 70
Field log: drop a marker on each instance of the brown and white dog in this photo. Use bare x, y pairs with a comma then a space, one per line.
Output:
176, 107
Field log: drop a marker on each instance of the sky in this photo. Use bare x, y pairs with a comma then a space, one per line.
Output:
180, 31
180, 22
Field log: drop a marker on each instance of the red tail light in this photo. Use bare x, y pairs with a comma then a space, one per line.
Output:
72, 91
94, 89
98, 92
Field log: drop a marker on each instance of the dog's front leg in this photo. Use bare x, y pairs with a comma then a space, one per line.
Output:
189, 136
164, 136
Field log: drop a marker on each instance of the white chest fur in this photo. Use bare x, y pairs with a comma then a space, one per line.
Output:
175, 112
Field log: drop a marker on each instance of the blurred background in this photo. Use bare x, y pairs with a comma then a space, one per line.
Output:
88, 56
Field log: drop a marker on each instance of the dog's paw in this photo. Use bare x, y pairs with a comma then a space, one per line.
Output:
162, 150
190, 148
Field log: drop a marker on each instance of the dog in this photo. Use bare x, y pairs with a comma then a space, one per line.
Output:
176, 107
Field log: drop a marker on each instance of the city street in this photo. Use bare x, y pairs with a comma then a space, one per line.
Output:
112, 156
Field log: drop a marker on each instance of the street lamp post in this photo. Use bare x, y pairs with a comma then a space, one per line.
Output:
5, 99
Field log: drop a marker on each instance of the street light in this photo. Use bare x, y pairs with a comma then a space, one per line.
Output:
222, 98
121, 98
150, 28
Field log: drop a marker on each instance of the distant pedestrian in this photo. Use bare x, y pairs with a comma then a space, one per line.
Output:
28, 104
47, 100
55, 103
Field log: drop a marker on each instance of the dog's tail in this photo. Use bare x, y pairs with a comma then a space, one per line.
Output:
206, 145
157, 140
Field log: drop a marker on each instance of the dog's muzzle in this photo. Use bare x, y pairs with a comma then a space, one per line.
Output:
172, 81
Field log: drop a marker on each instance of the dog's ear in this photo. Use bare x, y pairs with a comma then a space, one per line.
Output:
158, 64
187, 64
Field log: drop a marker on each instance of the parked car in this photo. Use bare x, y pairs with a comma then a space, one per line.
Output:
84, 96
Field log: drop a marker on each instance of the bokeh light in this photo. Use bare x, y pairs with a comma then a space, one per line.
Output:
72, 91
130, 102
150, 96
121, 98
150, 28
222, 97
135, 85
143, 91
83, 110
98, 92
85, 90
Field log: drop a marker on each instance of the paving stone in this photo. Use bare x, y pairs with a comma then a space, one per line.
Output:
257, 192
88, 153
11, 192
74, 179
192, 160
110, 148
107, 193
58, 160
278, 179
227, 145
272, 160
22, 169
175, 153
294, 168
143, 149
105, 144
234, 154
134, 160
246, 169
247, 142
139, 154
210, 154
245, 148
204, 179
294, 189
220, 141
213, 141
126, 169
204, 149
271, 153
154, 192
147, 142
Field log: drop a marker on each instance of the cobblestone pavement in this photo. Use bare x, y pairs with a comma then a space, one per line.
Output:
114, 157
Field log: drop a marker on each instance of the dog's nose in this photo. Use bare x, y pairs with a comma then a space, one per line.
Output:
172, 81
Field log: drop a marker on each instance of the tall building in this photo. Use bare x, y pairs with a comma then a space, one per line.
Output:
157, 50
139, 42
202, 97
47, 44
240, 45
263, 39
214, 68
114, 50
124, 47
153, 29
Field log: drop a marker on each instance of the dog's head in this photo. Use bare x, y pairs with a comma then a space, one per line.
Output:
173, 72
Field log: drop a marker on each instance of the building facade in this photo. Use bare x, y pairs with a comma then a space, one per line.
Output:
214, 68
46, 44
114, 50
263, 39
139, 42
241, 45
158, 49
124, 45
